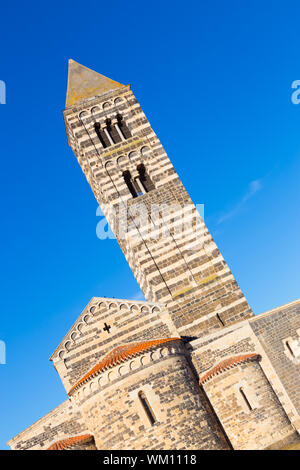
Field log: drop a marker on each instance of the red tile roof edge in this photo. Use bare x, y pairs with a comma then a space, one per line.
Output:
121, 354
70, 442
227, 364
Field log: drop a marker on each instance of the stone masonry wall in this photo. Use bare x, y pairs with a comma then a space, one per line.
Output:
195, 282
261, 426
265, 335
61, 423
114, 414
279, 333
89, 340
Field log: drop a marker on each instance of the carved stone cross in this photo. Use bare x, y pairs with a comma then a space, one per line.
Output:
106, 327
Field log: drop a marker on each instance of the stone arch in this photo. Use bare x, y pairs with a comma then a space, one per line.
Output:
122, 370
73, 336
100, 381
123, 307
155, 310
111, 376
95, 110
61, 354
134, 156
144, 309
145, 360
155, 355
83, 114
134, 308
109, 166
93, 386
164, 352
123, 162
145, 151
112, 305
102, 305
134, 364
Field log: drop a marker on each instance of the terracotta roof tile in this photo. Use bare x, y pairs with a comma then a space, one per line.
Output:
227, 364
121, 354
71, 442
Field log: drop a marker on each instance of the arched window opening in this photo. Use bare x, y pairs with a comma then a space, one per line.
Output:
114, 134
129, 183
101, 135
147, 408
242, 392
123, 127
144, 179
119, 132
111, 132
140, 189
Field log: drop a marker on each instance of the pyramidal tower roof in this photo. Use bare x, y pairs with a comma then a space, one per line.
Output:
84, 83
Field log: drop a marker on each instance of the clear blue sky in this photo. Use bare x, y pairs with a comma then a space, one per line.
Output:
214, 79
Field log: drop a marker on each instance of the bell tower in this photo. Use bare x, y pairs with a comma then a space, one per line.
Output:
163, 237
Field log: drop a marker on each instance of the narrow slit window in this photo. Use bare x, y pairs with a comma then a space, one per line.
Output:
287, 343
129, 183
147, 408
220, 319
242, 392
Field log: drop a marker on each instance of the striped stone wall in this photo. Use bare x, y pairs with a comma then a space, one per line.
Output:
279, 331
188, 275
103, 325
63, 422
248, 408
181, 419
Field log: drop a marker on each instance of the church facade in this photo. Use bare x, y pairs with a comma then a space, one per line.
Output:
191, 367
